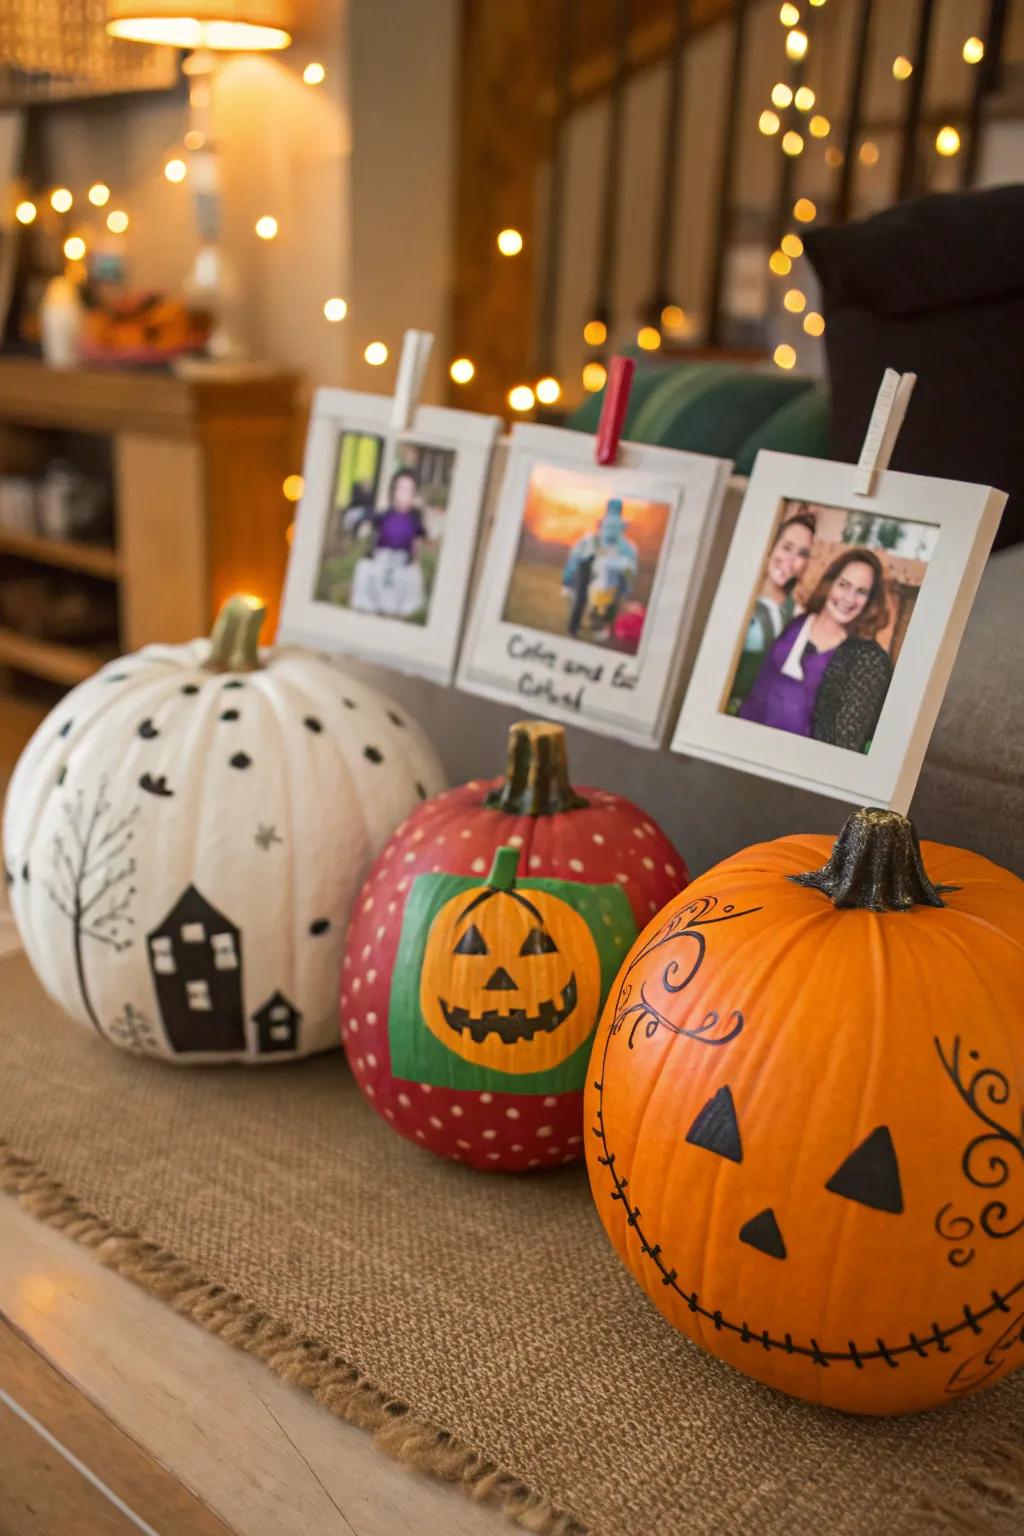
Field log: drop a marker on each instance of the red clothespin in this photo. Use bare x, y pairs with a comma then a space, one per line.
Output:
613, 410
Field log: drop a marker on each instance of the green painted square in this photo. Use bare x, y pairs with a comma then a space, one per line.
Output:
418, 1056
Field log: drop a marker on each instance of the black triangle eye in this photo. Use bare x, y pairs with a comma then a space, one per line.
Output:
717, 1129
871, 1174
537, 942
471, 943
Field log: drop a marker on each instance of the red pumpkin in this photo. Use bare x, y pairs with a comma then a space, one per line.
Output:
807, 1098
484, 942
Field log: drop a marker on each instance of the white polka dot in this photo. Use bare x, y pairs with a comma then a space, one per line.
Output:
638, 831
670, 869
648, 863
456, 1110
368, 904
487, 1098
359, 1063
381, 931
369, 1090
479, 866
420, 1136
534, 1162
465, 832
550, 1101
410, 858
577, 865
403, 884
512, 1112
489, 1135
371, 1060
424, 1088
417, 836
389, 1114
652, 906
649, 828
440, 841
404, 1100
623, 879
353, 1025
388, 851
367, 951
392, 905
535, 861
574, 1141
371, 1018
436, 1123
348, 962
544, 1130
554, 1151
515, 841
435, 869
357, 983
598, 838
465, 1145
517, 1146
371, 977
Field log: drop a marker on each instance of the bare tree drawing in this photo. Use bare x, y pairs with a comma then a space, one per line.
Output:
135, 1032
90, 865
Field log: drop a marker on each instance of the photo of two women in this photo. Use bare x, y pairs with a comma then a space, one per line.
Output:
828, 619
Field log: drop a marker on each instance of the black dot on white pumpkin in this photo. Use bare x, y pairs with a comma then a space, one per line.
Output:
234, 683
190, 688
228, 714
319, 925
24, 873
395, 718
313, 724
62, 776
348, 703
64, 728
116, 677
240, 760
373, 754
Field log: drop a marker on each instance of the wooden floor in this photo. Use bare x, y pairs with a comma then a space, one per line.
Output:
118, 1416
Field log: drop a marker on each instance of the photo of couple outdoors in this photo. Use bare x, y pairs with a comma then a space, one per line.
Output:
827, 622
383, 540
586, 560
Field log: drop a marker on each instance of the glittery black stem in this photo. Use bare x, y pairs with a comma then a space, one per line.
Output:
876, 864
537, 776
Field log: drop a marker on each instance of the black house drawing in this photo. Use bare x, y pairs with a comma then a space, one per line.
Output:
195, 957
277, 1024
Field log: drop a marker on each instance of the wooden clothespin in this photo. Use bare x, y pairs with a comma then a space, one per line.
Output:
412, 366
613, 409
883, 429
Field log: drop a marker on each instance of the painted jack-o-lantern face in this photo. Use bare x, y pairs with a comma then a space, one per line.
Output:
511, 979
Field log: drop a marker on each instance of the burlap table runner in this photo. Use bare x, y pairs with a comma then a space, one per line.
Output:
479, 1325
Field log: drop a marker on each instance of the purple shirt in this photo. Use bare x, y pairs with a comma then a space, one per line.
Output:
780, 701
399, 530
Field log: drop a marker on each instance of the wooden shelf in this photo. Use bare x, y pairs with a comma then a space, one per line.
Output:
69, 554
45, 658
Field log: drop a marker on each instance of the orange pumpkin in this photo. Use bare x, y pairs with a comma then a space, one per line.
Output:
806, 1102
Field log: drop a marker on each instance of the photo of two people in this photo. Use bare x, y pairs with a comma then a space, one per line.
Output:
586, 560
824, 629
382, 541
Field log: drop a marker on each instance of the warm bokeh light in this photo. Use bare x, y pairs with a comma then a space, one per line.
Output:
820, 126
782, 95
868, 153
792, 245
648, 338
768, 122
462, 370
795, 301
314, 74
375, 353
117, 221
595, 376
804, 98
792, 143
521, 398
784, 355
510, 243
188, 33
947, 141
973, 50
335, 310
780, 263
266, 227
74, 248
814, 324
293, 487
99, 194
548, 390
796, 43
804, 210
834, 156
595, 333
25, 212
789, 14
60, 199
193, 139
902, 68
673, 317
175, 170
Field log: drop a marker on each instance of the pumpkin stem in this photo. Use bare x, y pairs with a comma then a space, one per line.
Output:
876, 864
235, 641
537, 776
504, 869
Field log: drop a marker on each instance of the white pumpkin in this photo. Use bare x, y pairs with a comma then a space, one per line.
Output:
185, 834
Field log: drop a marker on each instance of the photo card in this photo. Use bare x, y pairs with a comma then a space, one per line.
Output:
386, 530
590, 580
835, 627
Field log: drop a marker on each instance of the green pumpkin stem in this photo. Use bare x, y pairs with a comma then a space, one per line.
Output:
504, 869
235, 641
876, 864
537, 776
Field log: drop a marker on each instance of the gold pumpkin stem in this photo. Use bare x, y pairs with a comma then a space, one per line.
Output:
537, 776
235, 641
876, 864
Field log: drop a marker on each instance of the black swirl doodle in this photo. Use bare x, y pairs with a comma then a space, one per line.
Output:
681, 932
994, 1155
956, 1230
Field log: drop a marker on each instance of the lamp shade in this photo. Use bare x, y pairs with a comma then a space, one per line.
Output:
243, 25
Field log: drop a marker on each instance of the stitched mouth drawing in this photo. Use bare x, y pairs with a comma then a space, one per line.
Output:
516, 1024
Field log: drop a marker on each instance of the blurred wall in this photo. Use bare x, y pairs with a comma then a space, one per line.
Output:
358, 172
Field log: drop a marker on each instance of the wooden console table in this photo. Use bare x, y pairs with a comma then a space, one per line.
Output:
199, 510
